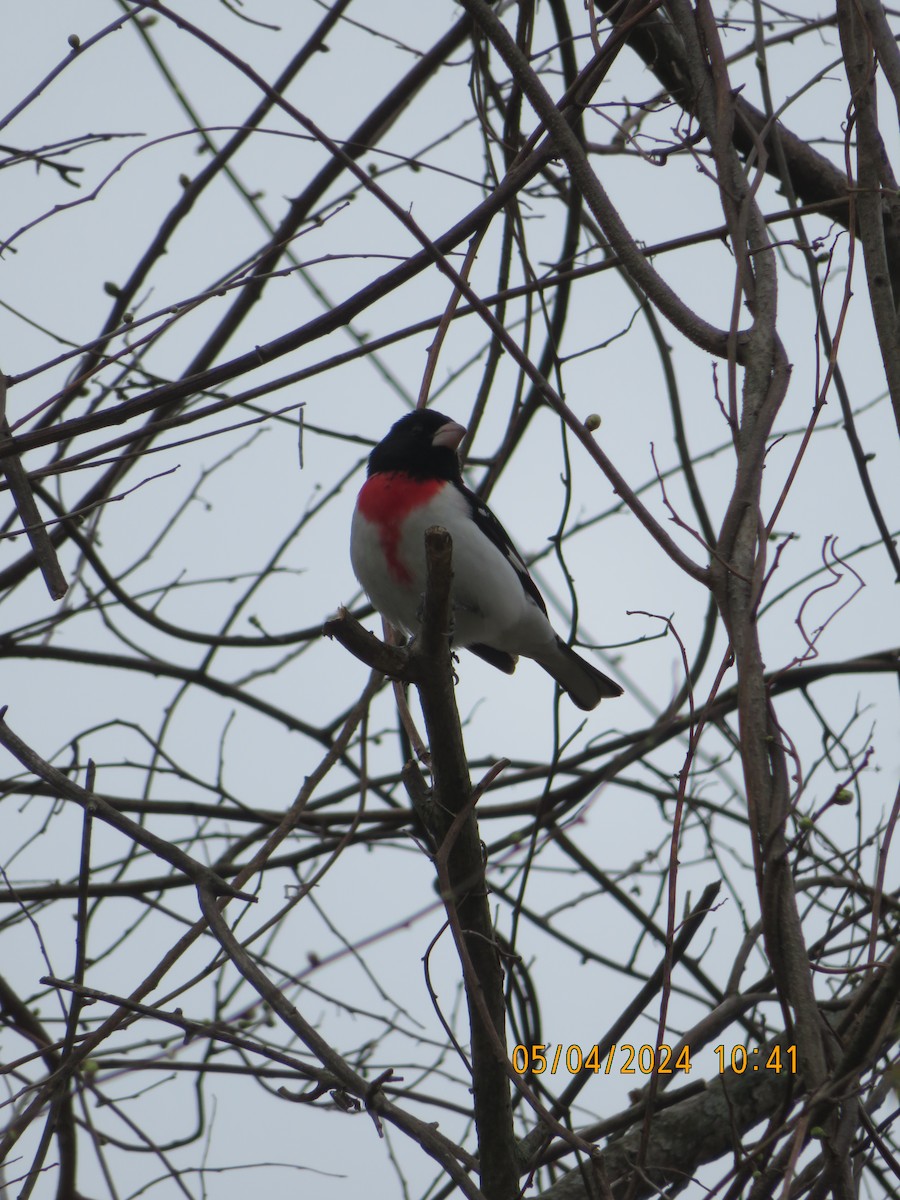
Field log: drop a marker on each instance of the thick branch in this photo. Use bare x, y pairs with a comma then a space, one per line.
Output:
875, 201
567, 144
701, 1129
460, 849
816, 178
453, 830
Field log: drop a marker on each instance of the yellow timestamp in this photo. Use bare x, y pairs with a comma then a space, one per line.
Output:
634, 1060
757, 1058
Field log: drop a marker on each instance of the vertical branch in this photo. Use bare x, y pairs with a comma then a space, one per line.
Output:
875, 201
453, 807
738, 566
448, 815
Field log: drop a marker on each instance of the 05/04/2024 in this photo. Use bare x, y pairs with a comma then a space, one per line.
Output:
647, 1060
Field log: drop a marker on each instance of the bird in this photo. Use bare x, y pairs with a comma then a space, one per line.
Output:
414, 481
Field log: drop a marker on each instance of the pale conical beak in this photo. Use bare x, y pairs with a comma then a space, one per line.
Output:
449, 435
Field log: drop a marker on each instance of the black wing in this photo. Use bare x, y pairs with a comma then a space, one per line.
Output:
492, 529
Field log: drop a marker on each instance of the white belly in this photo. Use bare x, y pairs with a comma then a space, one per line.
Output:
489, 603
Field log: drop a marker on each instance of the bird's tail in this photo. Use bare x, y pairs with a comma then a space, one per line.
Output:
585, 685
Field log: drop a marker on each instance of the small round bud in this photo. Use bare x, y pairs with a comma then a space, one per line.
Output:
592, 422
74, 40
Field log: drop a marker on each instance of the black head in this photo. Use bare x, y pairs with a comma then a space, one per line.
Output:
423, 444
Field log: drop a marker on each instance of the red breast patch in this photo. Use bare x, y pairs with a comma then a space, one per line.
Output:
387, 499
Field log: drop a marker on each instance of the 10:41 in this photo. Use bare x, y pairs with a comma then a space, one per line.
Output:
778, 1059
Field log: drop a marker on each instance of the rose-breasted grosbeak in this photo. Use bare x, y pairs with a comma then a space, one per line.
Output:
414, 482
